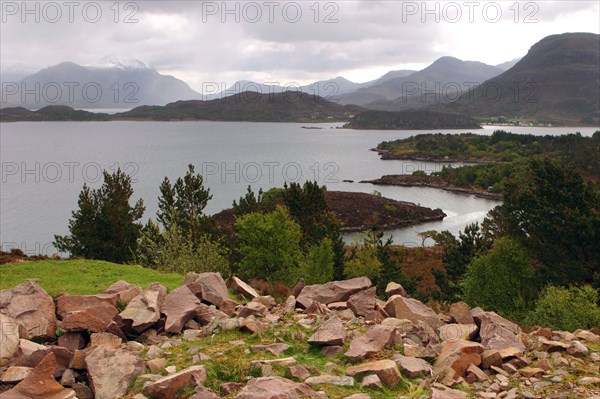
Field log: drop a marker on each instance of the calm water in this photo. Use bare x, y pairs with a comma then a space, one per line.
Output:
44, 166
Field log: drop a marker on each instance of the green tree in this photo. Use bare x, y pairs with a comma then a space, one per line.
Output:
364, 260
104, 227
252, 203
269, 246
502, 280
317, 267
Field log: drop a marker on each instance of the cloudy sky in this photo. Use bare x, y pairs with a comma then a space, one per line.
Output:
278, 41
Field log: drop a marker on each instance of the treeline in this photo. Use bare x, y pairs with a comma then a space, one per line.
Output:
280, 236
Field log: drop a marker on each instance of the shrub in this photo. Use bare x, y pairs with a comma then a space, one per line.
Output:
317, 266
363, 263
567, 308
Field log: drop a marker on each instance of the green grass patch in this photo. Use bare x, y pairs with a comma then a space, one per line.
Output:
81, 277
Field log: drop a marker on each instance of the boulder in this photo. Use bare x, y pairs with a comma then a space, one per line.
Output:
341, 380
456, 332
144, 310
411, 309
10, 334
373, 341
330, 332
275, 349
206, 314
210, 286
62, 359
40, 383
447, 394
394, 289
30, 306
498, 333
275, 388
386, 370
15, 374
363, 303
333, 291
455, 359
121, 292
179, 307
167, 387
461, 313
253, 308
85, 312
72, 341
299, 373
110, 370
413, 366
241, 288
105, 339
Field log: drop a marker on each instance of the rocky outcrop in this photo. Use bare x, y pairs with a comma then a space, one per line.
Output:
209, 286
334, 291
110, 371
179, 307
30, 306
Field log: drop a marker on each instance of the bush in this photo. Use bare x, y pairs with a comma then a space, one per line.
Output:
567, 308
317, 266
363, 263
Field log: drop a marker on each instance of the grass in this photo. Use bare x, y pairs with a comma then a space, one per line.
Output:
81, 277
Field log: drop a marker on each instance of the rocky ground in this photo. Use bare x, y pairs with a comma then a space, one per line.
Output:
207, 340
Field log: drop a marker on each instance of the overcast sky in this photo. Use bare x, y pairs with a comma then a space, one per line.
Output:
277, 41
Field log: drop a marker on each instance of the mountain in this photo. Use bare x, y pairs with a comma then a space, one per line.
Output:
16, 72
505, 66
557, 81
442, 79
292, 106
109, 83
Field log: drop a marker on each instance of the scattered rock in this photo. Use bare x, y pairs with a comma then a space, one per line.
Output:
275, 388
299, 373
276, 349
456, 332
30, 306
253, 308
412, 366
210, 286
461, 313
341, 380
394, 289
363, 303
121, 292
334, 291
498, 333
10, 334
371, 381
110, 371
166, 387
372, 341
144, 310
455, 359
408, 308
241, 288
330, 332
72, 341
386, 370
447, 394
229, 388
15, 374
179, 307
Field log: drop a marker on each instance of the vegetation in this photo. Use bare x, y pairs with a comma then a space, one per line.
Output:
410, 120
104, 227
317, 266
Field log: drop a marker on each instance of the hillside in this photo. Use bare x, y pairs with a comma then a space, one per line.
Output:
248, 106
557, 81
413, 120
50, 113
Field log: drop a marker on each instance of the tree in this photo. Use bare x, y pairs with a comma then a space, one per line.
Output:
317, 265
364, 260
104, 227
502, 280
269, 246
251, 203
555, 214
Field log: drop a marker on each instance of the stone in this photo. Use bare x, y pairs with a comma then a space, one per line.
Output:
447, 394
402, 326
373, 341
110, 371
62, 359
40, 383
266, 300
155, 365
121, 292
27, 347
474, 373
363, 303
589, 381
341, 380
78, 360
491, 358
68, 378
586, 335
413, 366
241, 288
371, 381
456, 332
72, 341
253, 308
166, 387
253, 326
331, 351
394, 289
338, 306
498, 333
228, 388
333, 291
15, 374
290, 305
276, 349
577, 349
30, 305
208, 314
144, 310
298, 288
387, 371
179, 307
10, 335
330, 332
283, 362
105, 339
455, 359
228, 307
550, 346
275, 388
85, 312
358, 396
411, 309
299, 373
419, 351
528, 372
461, 313
209, 285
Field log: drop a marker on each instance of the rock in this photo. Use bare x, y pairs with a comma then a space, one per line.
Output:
167, 387
413, 366
72, 341
456, 332
30, 306
283, 362
275, 388
338, 306
10, 334
121, 292
408, 308
363, 303
330, 332
105, 339
228, 388
15, 374
455, 359
144, 310
290, 305
341, 380
27, 347
253, 308
68, 378
447, 394
577, 349
299, 373
498, 333
85, 312
78, 361
474, 373
587, 336
491, 358
589, 381
394, 289
550, 346
371, 381
276, 349
155, 365
461, 313
40, 383
373, 341
241, 288
333, 291
331, 351
266, 300
110, 371
228, 307
208, 314
179, 306
210, 286
298, 288
62, 359
253, 326
386, 370
528, 372
358, 396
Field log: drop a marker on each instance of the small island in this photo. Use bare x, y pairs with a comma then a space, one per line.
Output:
410, 120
